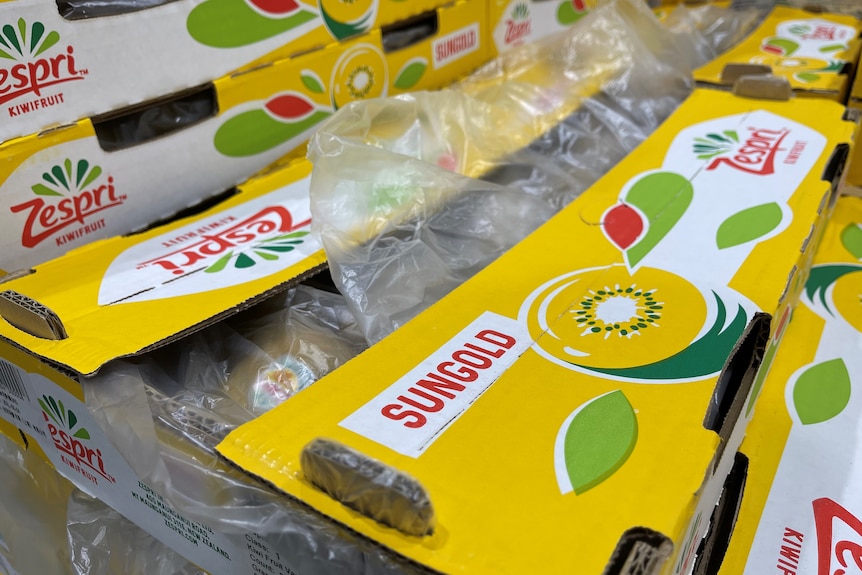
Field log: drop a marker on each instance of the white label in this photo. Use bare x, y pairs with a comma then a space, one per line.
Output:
414, 411
237, 245
455, 46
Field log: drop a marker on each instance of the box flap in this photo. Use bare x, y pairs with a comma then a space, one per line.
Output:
119, 296
557, 399
811, 50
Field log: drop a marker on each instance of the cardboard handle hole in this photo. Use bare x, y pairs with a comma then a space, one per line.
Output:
155, 119
410, 32
368, 486
640, 551
88, 9
30, 316
713, 548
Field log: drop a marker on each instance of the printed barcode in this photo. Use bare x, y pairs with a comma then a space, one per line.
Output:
10, 381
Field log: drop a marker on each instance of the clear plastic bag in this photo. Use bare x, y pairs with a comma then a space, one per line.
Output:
32, 513
171, 407
103, 542
413, 195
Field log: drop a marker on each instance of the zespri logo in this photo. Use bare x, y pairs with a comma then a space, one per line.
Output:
71, 440
30, 65
837, 555
227, 243
519, 25
69, 194
754, 151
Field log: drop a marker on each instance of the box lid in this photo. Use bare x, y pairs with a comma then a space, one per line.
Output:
116, 297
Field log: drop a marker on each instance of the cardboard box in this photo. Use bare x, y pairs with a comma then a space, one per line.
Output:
110, 175
56, 69
514, 22
854, 105
575, 403
817, 53
194, 271
801, 506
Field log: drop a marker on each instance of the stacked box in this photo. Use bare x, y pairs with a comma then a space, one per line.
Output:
800, 507
816, 53
63, 61
697, 239
110, 175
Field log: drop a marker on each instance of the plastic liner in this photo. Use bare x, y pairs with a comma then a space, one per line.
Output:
32, 513
165, 413
103, 542
413, 195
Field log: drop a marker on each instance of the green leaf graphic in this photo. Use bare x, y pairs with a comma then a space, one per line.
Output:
232, 24
410, 74
253, 132
663, 197
82, 434
748, 225
48, 411
61, 177
9, 32
73, 419
56, 409
94, 173
822, 277
851, 239
822, 391
22, 30
38, 29
312, 82
278, 247
807, 77
832, 48
566, 13
41, 190
7, 55
52, 38
342, 30
220, 264
244, 261
266, 256
599, 440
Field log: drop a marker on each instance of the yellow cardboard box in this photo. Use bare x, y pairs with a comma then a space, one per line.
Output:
61, 61
815, 52
109, 175
801, 507
564, 408
143, 291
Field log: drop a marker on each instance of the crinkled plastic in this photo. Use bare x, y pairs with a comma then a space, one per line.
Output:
103, 542
33, 501
171, 407
413, 195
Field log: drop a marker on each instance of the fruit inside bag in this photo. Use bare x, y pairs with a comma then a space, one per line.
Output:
32, 513
413, 195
